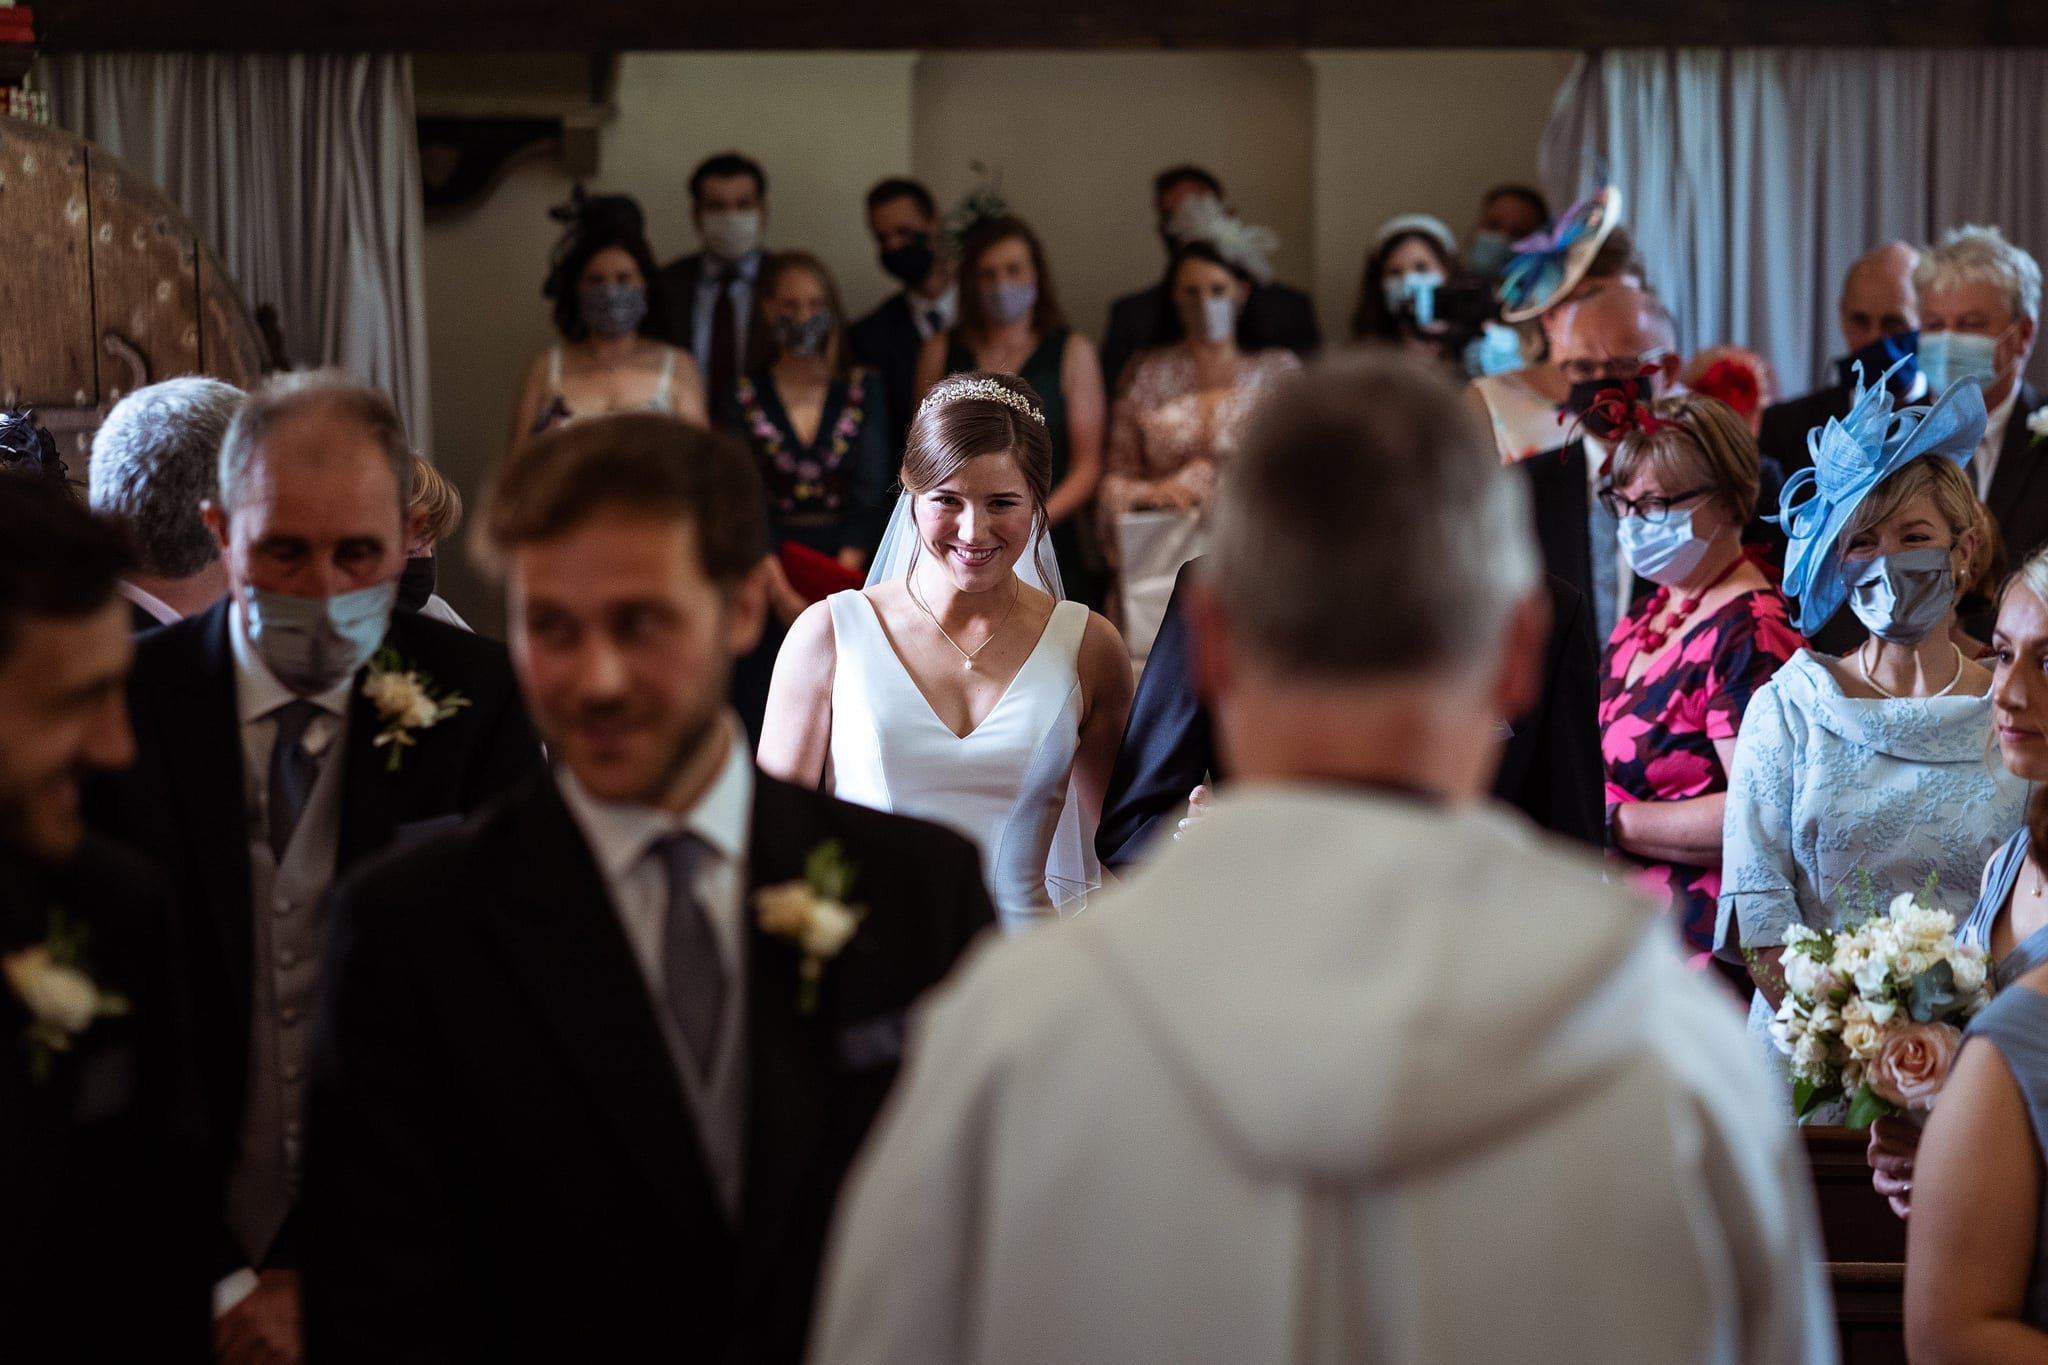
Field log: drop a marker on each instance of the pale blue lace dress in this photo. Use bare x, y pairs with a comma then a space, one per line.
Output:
1826, 785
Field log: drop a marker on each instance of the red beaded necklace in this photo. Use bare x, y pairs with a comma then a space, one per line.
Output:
1651, 635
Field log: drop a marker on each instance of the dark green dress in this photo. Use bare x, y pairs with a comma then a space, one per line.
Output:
1042, 372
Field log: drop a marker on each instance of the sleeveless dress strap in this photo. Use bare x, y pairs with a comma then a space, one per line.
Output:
555, 371
660, 402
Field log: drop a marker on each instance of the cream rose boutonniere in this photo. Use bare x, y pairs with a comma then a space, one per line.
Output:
51, 980
405, 702
2037, 426
812, 914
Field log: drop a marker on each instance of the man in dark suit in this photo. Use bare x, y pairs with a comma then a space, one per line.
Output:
154, 461
275, 754
1880, 323
1274, 315
908, 232
1980, 303
106, 1185
710, 295
1550, 767
593, 1067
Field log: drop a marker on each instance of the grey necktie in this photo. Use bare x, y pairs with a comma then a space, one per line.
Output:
691, 976
292, 772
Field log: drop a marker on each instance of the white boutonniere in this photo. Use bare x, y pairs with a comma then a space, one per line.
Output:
51, 979
812, 914
405, 702
2037, 426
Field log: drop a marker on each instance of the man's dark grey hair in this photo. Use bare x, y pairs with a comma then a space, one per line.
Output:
154, 460
288, 395
1367, 529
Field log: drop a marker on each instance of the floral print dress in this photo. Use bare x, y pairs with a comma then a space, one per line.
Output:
1657, 733
834, 492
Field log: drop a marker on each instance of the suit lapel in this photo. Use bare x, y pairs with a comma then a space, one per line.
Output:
563, 937
371, 804
198, 726
2016, 459
783, 1103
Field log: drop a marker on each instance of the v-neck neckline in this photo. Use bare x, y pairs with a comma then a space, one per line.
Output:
882, 628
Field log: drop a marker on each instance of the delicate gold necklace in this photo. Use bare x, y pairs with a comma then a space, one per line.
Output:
966, 659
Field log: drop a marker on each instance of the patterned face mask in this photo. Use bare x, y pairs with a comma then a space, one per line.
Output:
612, 310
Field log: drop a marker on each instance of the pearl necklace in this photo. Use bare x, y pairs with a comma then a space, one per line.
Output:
1864, 669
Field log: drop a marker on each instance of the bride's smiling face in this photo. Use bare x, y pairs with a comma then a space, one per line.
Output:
978, 521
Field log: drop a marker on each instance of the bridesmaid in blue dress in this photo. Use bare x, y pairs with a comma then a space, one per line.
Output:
2010, 921
1976, 1256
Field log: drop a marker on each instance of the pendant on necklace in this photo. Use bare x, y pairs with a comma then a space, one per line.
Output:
967, 665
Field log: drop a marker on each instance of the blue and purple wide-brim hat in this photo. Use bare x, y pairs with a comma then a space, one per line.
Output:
1851, 457
1549, 264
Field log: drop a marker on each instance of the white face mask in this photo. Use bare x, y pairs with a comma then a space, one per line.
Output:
1219, 318
731, 234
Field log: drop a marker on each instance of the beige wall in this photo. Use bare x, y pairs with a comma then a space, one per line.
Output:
1321, 147
1079, 136
1407, 132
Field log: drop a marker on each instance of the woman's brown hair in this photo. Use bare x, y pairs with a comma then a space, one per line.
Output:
983, 237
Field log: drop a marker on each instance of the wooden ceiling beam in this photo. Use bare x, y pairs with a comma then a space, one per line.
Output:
783, 25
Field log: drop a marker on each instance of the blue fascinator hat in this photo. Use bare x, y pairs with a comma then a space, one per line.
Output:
1851, 457
1550, 262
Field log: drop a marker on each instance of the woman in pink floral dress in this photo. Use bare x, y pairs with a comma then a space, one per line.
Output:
1680, 668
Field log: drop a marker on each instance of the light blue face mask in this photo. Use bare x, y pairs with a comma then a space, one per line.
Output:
1413, 292
1900, 598
316, 643
1946, 357
1010, 301
1497, 351
1666, 553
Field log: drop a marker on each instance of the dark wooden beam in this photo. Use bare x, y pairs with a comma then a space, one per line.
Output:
654, 25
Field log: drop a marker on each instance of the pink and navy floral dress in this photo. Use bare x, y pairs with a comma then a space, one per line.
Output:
833, 493
1657, 733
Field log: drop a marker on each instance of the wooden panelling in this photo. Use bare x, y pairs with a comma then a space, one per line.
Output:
145, 282
47, 353
634, 25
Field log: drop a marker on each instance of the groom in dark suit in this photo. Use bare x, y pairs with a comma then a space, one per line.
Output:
592, 1067
284, 735
103, 1177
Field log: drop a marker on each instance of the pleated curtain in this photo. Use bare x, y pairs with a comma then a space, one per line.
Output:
302, 172
1753, 178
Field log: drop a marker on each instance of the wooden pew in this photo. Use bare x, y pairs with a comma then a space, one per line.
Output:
1866, 1248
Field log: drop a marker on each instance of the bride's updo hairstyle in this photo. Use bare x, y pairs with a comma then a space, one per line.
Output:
967, 416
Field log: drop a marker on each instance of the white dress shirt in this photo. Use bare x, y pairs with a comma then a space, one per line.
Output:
746, 272
946, 305
1984, 464
160, 611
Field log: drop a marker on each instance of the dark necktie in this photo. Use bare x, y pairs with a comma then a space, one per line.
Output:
692, 978
724, 365
934, 322
292, 772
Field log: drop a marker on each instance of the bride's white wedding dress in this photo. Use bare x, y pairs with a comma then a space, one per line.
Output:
1004, 785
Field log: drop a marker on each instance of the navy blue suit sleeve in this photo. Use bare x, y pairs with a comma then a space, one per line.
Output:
1168, 746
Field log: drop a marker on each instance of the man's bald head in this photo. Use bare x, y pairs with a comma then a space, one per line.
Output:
1618, 323
1877, 295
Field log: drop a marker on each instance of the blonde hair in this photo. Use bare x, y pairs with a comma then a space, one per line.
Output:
437, 501
1939, 477
1697, 437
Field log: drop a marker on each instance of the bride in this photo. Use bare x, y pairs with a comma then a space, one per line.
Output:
956, 685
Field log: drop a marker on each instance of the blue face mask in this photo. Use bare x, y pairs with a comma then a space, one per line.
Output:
1879, 356
1946, 357
1900, 598
1665, 554
316, 643
1488, 252
1497, 351
1413, 293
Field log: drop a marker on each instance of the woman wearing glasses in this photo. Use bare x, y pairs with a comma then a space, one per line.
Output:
1681, 666
1876, 764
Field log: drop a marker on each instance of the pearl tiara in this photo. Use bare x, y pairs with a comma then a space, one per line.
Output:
952, 390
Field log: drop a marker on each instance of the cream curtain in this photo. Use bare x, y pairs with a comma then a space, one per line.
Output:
303, 173
1753, 178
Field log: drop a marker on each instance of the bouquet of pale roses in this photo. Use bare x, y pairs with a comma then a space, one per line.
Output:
1874, 1011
